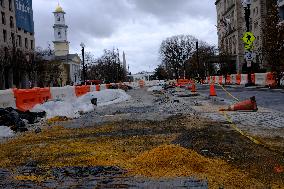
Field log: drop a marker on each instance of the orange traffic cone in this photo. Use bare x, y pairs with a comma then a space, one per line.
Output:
247, 105
212, 90
193, 88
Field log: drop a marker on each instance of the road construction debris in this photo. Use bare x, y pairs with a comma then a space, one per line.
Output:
14, 118
132, 137
247, 105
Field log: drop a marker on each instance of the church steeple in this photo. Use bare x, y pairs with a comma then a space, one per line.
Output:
61, 44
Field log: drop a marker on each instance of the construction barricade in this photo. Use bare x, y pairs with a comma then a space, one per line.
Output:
220, 80
238, 79
103, 87
44, 94
244, 79
98, 88
234, 79
93, 88
228, 80
183, 82
26, 99
7, 99
260, 79
271, 80
81, 90
212, 79
253, 78
141, 83
63, 93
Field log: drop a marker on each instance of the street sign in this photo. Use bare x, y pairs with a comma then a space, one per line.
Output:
248, 64
248, 38
248, 56
248, 47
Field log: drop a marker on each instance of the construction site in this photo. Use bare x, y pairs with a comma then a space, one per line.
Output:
161, 135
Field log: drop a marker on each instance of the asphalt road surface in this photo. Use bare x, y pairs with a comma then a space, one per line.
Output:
267, 98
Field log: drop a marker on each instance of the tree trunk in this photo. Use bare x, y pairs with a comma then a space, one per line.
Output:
10, 78
2, 79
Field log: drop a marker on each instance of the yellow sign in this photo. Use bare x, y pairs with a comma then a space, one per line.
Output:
248, 38
248, 47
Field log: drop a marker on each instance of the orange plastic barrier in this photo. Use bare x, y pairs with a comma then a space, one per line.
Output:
271, 80
228, 80
26, 99
238, 79
108, 86
141, 83
253, 78
213, 79
44, 94
183, 81
98, 87
220, 80
81, 90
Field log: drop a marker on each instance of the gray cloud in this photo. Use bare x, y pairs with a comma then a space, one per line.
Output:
135, 26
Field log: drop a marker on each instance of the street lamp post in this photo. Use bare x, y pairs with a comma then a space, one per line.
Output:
197, 56
83, 57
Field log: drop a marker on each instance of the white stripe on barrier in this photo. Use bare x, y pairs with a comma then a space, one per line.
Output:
7, 99
260, 79
216, 79
63, 93
93, 88
234, 79
103, 87
244, 79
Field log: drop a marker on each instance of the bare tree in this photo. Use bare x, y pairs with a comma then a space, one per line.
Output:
107, 68
174, 51
273, 46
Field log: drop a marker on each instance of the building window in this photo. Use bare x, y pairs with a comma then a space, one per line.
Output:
10, 5
26, 43
32, 44
11, 22
3, 18
5, 36
19, 40
13, 38
59, 34
2, 3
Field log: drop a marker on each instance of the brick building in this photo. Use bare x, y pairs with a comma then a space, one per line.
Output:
16, 32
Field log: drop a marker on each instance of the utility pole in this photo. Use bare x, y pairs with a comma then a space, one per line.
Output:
246, 5
197, 56
83, 57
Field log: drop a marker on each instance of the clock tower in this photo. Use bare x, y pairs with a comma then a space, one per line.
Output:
61, 45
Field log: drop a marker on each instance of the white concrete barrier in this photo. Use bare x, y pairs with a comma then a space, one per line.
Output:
282, 81
244, 79
103, 87
260, 79
234, 79
7, 99
93, 88
63, 93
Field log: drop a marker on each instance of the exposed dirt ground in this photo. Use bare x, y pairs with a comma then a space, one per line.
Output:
130, 147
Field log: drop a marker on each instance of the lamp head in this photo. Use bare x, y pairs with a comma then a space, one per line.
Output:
82, 45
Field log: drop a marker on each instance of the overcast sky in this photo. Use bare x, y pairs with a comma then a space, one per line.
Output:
134, 26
